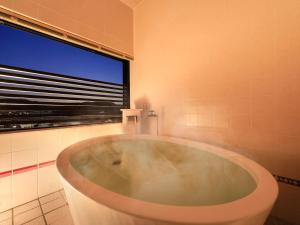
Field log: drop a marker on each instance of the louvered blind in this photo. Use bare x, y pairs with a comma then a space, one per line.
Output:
35, 99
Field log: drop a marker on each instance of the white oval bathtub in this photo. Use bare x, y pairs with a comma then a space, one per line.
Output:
146, 180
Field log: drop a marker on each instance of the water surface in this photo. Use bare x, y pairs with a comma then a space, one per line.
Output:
163, 172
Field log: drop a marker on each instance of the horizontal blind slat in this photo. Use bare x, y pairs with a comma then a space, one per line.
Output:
56, 77
22, 87
33, 94
23, 80
36, 81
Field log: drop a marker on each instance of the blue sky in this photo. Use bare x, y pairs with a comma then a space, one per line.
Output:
24, 49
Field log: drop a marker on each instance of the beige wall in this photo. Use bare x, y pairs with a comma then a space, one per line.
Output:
225, 72
108, 22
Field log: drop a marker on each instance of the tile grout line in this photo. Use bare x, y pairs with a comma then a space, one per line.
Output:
25, 211
50, 201
51, 193
30, 220
13, 212
28, 211
12, 217
61, 206
42, 212
32, 201
23, 204
53, 211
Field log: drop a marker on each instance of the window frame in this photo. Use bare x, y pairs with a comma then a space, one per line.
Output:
125, 83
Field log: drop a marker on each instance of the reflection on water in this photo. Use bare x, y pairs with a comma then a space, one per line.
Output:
163, 172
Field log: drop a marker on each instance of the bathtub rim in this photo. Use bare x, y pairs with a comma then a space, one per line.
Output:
245, 207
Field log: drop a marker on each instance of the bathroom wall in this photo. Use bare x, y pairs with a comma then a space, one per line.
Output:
27, 160
225, 72
108, 22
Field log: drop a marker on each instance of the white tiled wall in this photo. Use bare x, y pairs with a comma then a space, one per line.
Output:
46, 185
5, 193
5, 165
5, 161
22, 149
24, 158
24, 187
5, 143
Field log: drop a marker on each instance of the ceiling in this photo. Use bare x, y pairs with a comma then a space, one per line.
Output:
131, 3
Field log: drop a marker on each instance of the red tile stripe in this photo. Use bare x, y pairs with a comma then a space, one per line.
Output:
26, 168
5, 173
44, 164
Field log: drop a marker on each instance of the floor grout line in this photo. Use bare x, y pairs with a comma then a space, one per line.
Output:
50, 201
61, 206
13, 209
5, 211
12, 216
55, 210
51, 193
20, 213
31, 220
24, 203
42, 212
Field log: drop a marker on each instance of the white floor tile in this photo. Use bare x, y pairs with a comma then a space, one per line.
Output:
6, 222
65, 221
38, 221
62, 192
27, 216
50, 197
49, 206
59, 216
26, 207
5, 215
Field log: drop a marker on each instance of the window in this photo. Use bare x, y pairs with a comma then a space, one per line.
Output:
48, 82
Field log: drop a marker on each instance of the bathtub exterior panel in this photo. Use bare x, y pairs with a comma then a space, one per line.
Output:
86, 211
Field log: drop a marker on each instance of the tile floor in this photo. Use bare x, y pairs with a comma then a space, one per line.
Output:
53, 209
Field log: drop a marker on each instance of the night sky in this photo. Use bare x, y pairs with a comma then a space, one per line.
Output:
27, 50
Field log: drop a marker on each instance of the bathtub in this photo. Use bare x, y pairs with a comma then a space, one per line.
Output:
146, 180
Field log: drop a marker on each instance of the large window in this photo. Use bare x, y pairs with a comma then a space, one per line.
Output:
47, 82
